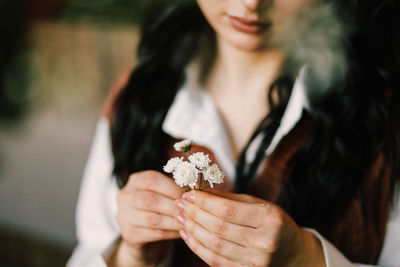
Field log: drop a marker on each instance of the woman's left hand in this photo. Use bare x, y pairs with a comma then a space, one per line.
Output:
226, 229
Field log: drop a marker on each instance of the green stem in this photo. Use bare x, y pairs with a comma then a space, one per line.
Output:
201, 181
204, 186
187, 188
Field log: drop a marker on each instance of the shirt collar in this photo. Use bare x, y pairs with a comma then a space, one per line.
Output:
194, 115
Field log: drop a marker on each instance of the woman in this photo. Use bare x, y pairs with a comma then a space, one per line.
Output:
316, 159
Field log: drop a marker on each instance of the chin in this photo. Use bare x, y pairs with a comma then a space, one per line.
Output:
244, 41
247, 43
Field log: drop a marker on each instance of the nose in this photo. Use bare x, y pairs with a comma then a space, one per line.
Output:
255, 4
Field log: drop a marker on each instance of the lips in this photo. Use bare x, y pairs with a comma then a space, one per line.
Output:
248, 25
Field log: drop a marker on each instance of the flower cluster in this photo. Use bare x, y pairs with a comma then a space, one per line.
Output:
184, 145
186, 173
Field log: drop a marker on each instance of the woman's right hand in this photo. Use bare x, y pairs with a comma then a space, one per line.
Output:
146, 213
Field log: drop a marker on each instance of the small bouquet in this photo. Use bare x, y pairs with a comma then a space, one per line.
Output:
187, 173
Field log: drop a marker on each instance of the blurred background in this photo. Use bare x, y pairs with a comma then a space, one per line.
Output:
58, 59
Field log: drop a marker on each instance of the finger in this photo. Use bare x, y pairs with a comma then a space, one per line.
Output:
152, 220
232, 196
237, 212
220, 246
148, 200
239, 234
136, 236
211, 258
156, 182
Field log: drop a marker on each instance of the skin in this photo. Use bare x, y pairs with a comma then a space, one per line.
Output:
278, 13
224, 229
246, 64
146, 213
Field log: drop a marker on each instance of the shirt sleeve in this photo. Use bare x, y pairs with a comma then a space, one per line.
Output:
390, 256
98, 232
96, 226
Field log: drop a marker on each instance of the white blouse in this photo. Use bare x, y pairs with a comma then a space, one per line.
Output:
192, 111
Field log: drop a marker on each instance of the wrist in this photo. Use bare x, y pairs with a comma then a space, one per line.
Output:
127, 256
310, 252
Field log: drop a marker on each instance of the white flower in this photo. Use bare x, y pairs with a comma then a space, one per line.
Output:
184, 145
186, 174
172, 164
200, 159
213, 175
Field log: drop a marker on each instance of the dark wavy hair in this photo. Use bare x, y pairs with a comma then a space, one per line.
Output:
350, 124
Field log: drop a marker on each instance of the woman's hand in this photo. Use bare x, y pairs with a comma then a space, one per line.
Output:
226, 229
146, 213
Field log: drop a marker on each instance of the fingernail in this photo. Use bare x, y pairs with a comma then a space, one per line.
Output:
189, 197
180, 219
183, 235
180, 205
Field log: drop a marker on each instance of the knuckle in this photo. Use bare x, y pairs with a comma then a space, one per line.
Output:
217, 244
127, 235
220, 228
194, 248
125, 198
214, 263
262, 260
190, 212
120, 198
270, 215
246, 234
199, 199
160, 234
131, 243
253, 258
120, 217
247, 198
279, 224
133, 180
272, 245
265, 242
150, 178
148, 199
256, 264
153, 220
277, 221
228, 211
190, 227
264, 210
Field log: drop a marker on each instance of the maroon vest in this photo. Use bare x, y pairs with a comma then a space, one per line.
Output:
359, 240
